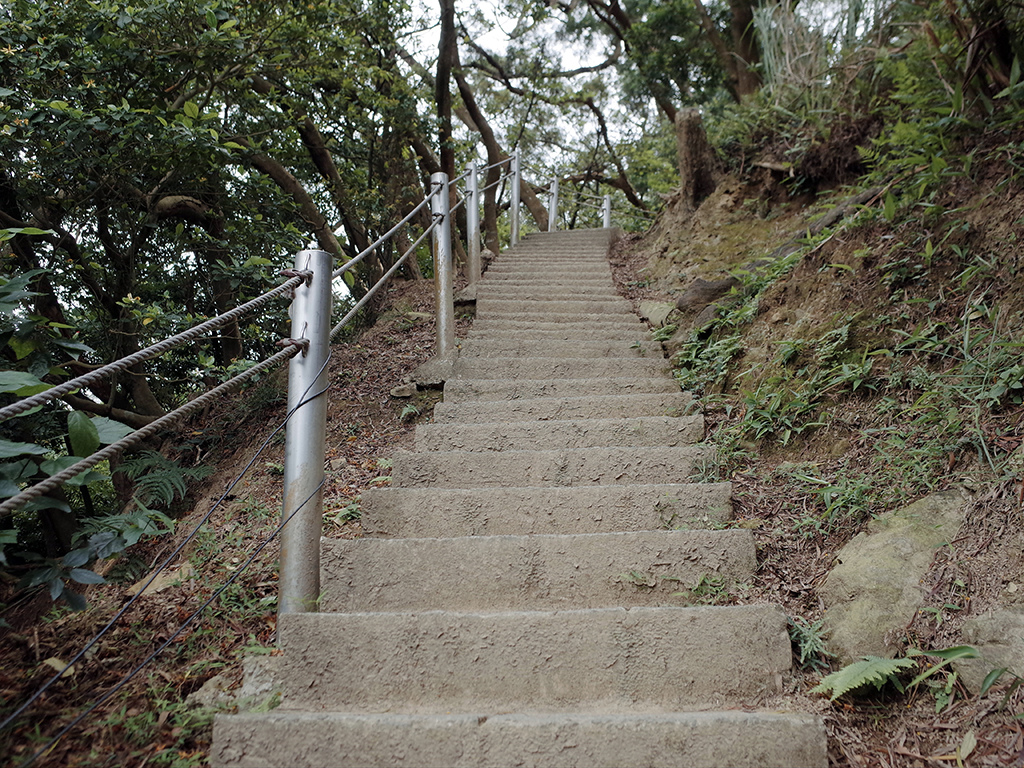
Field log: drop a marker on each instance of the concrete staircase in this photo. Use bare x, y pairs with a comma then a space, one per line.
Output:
517, 603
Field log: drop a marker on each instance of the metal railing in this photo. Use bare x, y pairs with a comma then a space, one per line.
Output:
311, 279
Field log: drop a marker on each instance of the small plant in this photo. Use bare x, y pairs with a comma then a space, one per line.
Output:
710, 589
877, 672
350, 512
664, 333
409, 413
810, 642
869, 671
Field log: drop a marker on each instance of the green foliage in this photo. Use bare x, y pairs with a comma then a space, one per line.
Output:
809, 639
877, 672
869, 671
159, 480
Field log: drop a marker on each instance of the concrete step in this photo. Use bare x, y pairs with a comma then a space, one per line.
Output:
564, 408
539, 318
579, 326
570, 467
542, 293
465, 390
530, 573
566, 279
440, 512
517, 347
637, 333
593, 660
551, 435
729, 739
555, 368
617, 306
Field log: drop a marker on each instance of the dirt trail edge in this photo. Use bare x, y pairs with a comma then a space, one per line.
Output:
530, 591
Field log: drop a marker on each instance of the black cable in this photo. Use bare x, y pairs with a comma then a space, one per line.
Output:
46, 686
217, 593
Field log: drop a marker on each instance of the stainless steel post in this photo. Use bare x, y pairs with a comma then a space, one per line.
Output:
302, 512
473, 225
606, 210
517, 176
553, 206
445, 307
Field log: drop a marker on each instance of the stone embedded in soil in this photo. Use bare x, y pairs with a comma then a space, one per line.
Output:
875, 590
999, 638
656, 312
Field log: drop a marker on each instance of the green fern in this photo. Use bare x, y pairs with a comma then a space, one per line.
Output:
159, 480
869, 670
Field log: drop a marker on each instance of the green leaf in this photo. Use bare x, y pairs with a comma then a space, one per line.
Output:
191, 108
21, 384
10, 449
110, 431
889, 211
85, 576
991, 679
869, 670
53, 466
84, 437
76, 557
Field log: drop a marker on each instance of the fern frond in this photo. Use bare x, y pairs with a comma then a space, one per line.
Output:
869, 670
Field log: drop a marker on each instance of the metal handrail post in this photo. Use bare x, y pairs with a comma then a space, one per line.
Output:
473, 225
302, 511
514, 207
606, 210
445, 307
553, 206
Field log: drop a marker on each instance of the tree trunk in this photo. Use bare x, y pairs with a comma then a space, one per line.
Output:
696, 160
744, 48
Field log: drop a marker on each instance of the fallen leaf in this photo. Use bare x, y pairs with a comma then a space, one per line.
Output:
58, 666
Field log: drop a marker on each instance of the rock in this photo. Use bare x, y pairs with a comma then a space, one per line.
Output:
435, 371
656, 312
999, 638
260, 677
404, 390
213, 693
163, 581
705, 317
466, 296
700, 293
874, 590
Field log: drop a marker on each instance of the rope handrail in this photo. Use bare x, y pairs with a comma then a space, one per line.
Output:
156, 572
17, 501
381, 240
154, 350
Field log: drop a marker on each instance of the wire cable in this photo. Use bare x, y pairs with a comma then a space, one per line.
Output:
44, 486
384, 278
496, 182
497, 164
174, 636
380, 240
170, 558
152, 351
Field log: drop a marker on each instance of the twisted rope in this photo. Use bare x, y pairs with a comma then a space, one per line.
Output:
45, 486
145, 354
